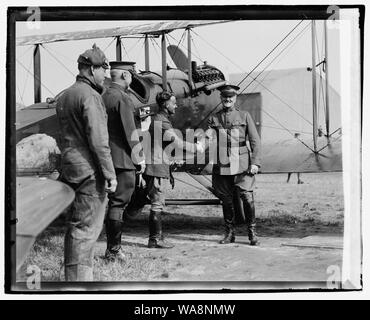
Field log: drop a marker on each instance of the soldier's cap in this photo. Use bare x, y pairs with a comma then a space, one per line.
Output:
163, 96
94, 57
123, 65
228, 90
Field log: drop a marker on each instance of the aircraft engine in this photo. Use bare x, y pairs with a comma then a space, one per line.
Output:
207, 74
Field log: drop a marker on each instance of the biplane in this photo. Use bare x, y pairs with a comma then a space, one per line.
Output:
195, 85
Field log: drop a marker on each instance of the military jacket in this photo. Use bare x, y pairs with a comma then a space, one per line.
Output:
123, 135
234, 141
83, 141
161, 136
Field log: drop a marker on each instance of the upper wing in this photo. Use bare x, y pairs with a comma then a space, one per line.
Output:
152, 28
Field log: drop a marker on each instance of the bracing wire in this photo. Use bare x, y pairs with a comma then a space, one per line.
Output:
133, 46
154, 44
268, 65
168, 42
289, 45
241, 68
62, 55
266, 75
196, 49
281, 125
323, 53
124, 48
277, 128
19, 92
141, 48
196, 56
286, 104
321, 94
190, 184
331, 142
24, 53
180, 41
110, 43
335, 131
266, 56
267, 89
25, 83
255, 69
61, 63
20, 63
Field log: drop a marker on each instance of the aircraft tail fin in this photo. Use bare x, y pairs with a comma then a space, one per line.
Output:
178, 57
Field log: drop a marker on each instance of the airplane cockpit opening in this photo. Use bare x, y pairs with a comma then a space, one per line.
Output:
140, 88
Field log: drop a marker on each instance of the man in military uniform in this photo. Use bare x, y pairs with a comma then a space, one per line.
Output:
235, 133
87, 165
158, 165
127, 156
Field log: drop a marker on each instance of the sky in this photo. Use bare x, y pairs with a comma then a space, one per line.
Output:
233, 47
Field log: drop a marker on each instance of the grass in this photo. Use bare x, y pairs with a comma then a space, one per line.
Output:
283, 210
48, 250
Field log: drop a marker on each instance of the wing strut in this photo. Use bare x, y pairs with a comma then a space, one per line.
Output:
314, 99
37, 73
164, 62
118, 49
189, 60
147, 62
327, 113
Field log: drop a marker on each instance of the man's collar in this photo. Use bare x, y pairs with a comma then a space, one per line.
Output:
119, 86
89, 82
229, 109
164, 112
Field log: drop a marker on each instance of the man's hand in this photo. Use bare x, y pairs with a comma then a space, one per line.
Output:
112, 186
141, 167
253, 169
199, 146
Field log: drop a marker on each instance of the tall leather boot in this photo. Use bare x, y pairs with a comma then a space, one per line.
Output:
250, 217
114, 234
156, 239
229, 214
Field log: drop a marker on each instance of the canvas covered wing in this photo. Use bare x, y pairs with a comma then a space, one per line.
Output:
152, 28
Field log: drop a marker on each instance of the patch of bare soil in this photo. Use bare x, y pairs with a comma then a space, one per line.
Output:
286, 212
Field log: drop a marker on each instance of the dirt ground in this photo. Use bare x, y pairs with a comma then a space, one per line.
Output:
300, 227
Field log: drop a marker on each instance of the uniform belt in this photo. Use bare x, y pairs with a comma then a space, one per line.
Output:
241, 144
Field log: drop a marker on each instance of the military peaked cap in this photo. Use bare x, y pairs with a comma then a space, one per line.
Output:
122, 65
228, 90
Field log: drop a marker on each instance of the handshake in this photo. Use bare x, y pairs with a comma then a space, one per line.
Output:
199, 147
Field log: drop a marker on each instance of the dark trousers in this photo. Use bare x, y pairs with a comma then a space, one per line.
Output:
224, 186
118, 202
155, 190
85, 223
